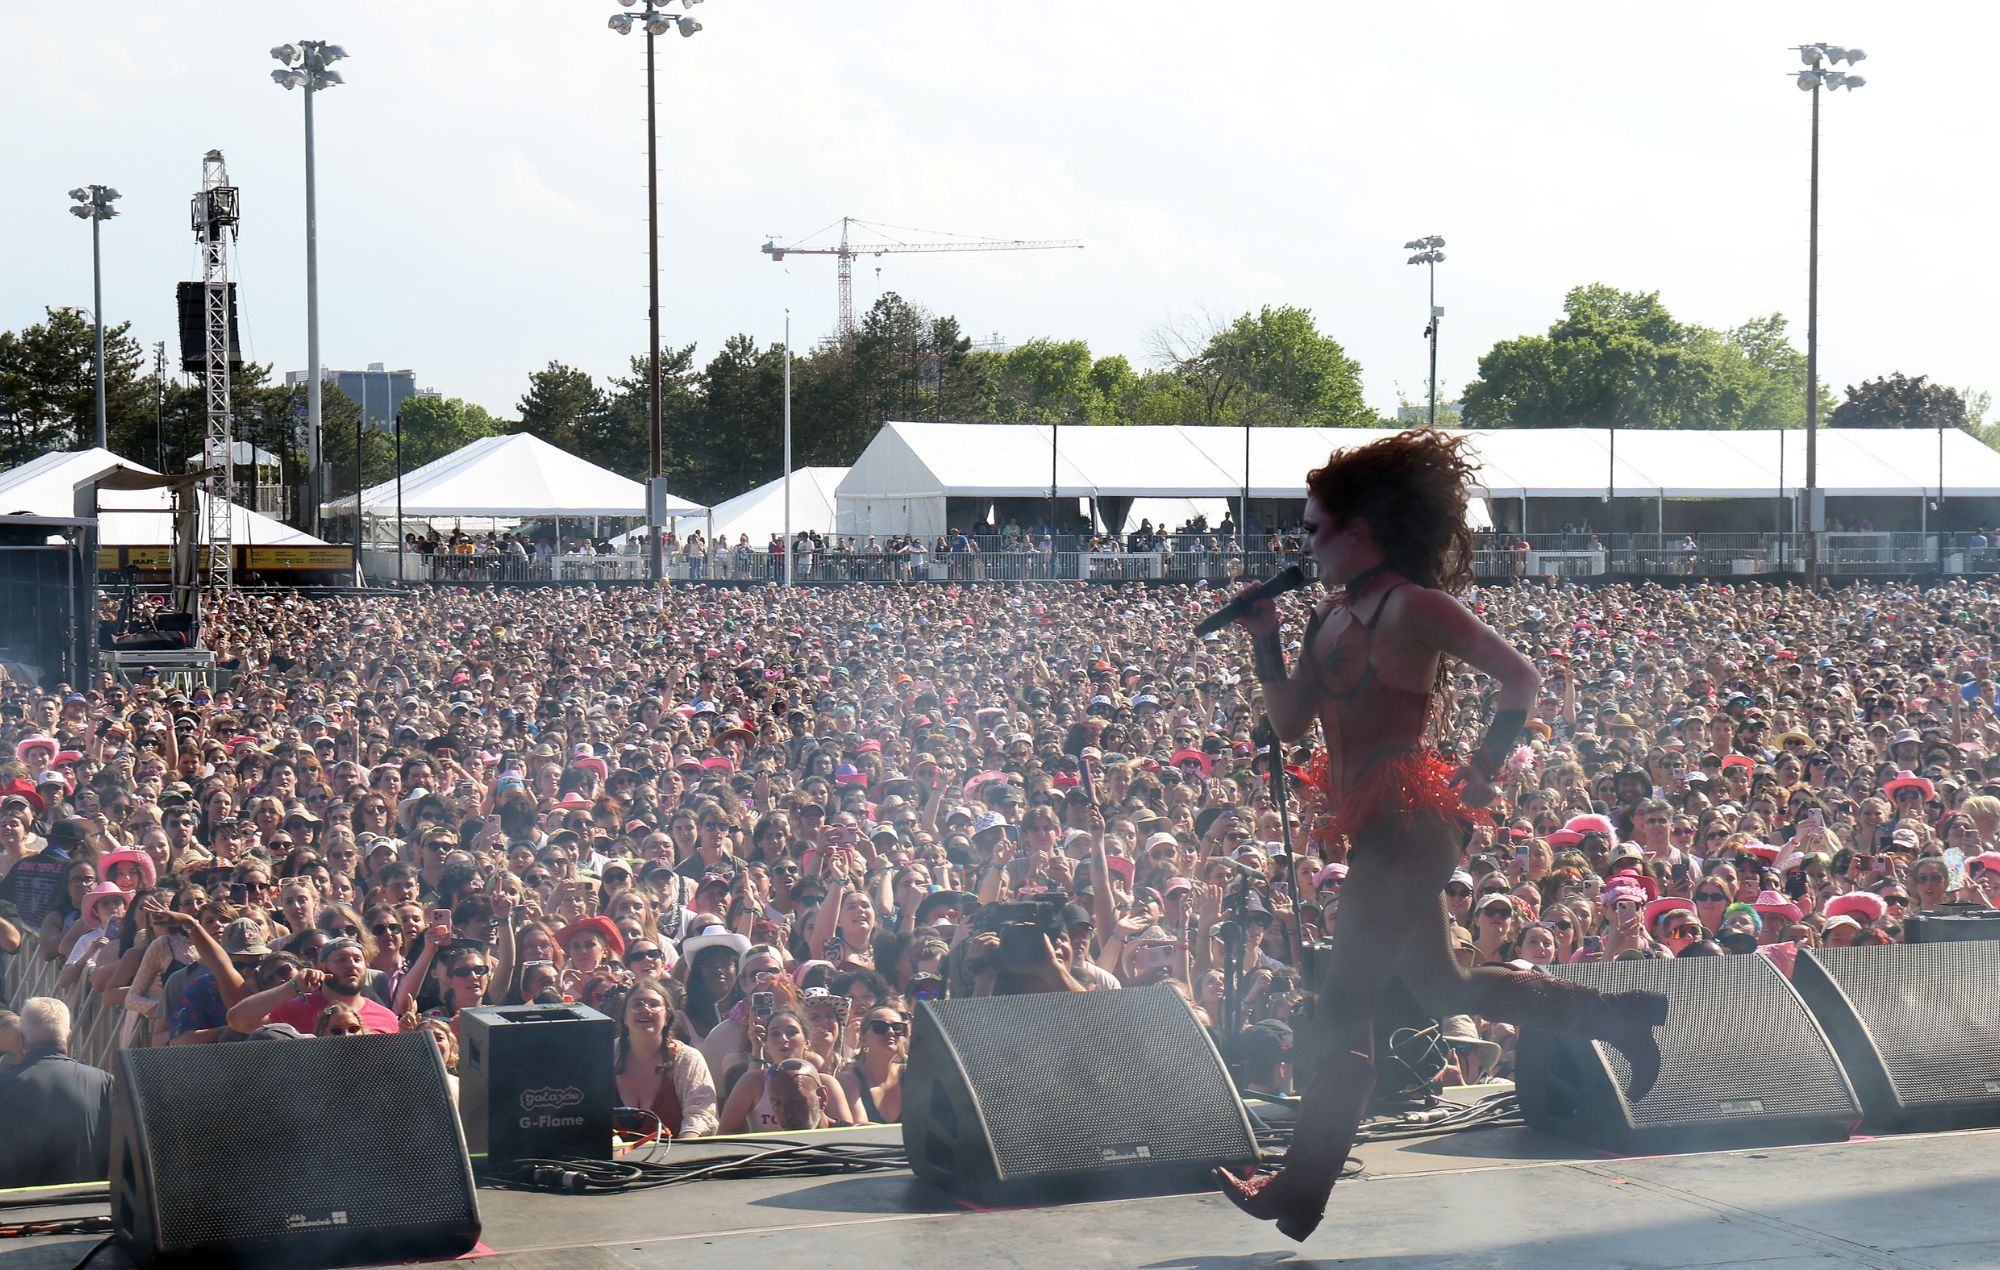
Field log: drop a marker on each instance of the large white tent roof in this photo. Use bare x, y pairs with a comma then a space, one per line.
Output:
126, 518
761, 512
918, 460
515, 476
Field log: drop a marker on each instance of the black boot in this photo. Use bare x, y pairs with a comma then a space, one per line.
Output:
1329, 1115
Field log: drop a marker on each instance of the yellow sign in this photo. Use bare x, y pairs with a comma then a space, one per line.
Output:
298, 557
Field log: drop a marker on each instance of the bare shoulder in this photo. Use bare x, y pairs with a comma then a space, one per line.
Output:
1414, 609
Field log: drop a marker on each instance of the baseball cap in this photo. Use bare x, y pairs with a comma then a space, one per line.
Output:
244, 937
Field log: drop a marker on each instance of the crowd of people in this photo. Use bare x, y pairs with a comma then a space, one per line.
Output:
757, 827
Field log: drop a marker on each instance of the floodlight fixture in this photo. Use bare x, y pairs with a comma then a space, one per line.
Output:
286, 53
688, 27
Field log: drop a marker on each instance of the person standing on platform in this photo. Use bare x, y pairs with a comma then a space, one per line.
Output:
1386, 526
57, 1110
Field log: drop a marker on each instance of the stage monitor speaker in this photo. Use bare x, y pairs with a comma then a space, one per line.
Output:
1743, 1064
535, 1081
1058, 1095
1918, 1029
1954, 923
330, 1152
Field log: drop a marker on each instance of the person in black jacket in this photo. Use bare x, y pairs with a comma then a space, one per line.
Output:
57, 1110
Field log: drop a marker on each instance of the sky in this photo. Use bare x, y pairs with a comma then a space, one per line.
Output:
482, 173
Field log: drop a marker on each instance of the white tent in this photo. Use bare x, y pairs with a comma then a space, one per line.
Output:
901, 481
510, 477
127, 518
760, 512
241, 452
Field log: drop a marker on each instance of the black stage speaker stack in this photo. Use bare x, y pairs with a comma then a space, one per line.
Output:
333, 1152
535, 1082
1056, 1096
1744, 1064
1953, 923
1917, 1027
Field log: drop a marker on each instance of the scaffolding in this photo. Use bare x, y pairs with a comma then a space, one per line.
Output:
214, 219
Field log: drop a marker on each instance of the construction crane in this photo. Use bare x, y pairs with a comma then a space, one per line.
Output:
846, 251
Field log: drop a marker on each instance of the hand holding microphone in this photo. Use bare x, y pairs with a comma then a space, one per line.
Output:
1252, 605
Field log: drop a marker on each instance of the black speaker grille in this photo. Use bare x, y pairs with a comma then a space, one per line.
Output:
1738, 1043
1064, 1088
1934, 1013
331, 1140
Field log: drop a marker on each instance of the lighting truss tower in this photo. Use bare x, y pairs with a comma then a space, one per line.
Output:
214, 219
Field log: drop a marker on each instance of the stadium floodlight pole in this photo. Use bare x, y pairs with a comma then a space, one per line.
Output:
787, 554
1430, 254
653, 22
308, 65
1819, 60
94, 204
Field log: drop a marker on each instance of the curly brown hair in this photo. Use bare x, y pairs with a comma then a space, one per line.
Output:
1410, 490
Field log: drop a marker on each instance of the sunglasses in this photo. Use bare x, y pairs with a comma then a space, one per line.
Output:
643, 954
1710, 897
1684, 932
1458, 892
883, 1027
347, 932
471, 972
387, 928
1562, 926
1896, 901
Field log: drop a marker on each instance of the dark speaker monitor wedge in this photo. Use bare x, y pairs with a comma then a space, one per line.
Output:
1918, 1028
280, 1153
535, 1082
1954, 923
1744, 1064
1058, 1096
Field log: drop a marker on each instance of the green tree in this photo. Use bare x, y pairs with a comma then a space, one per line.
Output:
619, 437
562, 406
48, 393
1901, 401
436, 426
736, 438
1046, 381
1620, 359
1273, 368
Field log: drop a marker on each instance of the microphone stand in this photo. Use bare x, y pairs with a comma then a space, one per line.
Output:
1268, 735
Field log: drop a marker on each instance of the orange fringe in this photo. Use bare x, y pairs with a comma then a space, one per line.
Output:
1413, 782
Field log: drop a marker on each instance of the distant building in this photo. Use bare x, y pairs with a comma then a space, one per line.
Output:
379, 392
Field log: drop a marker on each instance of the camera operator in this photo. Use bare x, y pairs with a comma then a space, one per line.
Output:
1019, 948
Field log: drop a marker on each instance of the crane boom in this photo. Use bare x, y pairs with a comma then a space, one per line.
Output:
845, 252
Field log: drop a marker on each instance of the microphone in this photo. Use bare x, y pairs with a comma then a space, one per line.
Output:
1290, 578
1241, 869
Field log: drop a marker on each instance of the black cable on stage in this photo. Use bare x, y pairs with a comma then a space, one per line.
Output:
782, 1159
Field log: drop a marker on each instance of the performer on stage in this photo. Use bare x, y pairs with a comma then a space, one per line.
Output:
1387, 529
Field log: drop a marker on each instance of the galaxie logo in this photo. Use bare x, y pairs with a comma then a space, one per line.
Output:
550, 1099
1124, 1154
299, 1221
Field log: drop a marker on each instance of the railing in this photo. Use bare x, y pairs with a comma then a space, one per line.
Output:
1185, 559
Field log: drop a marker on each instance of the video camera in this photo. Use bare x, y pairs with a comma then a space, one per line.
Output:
1021, 924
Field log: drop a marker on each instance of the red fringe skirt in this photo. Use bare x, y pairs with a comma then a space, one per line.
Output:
1411, 782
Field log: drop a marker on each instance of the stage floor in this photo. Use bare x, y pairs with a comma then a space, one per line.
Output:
1485, 1198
